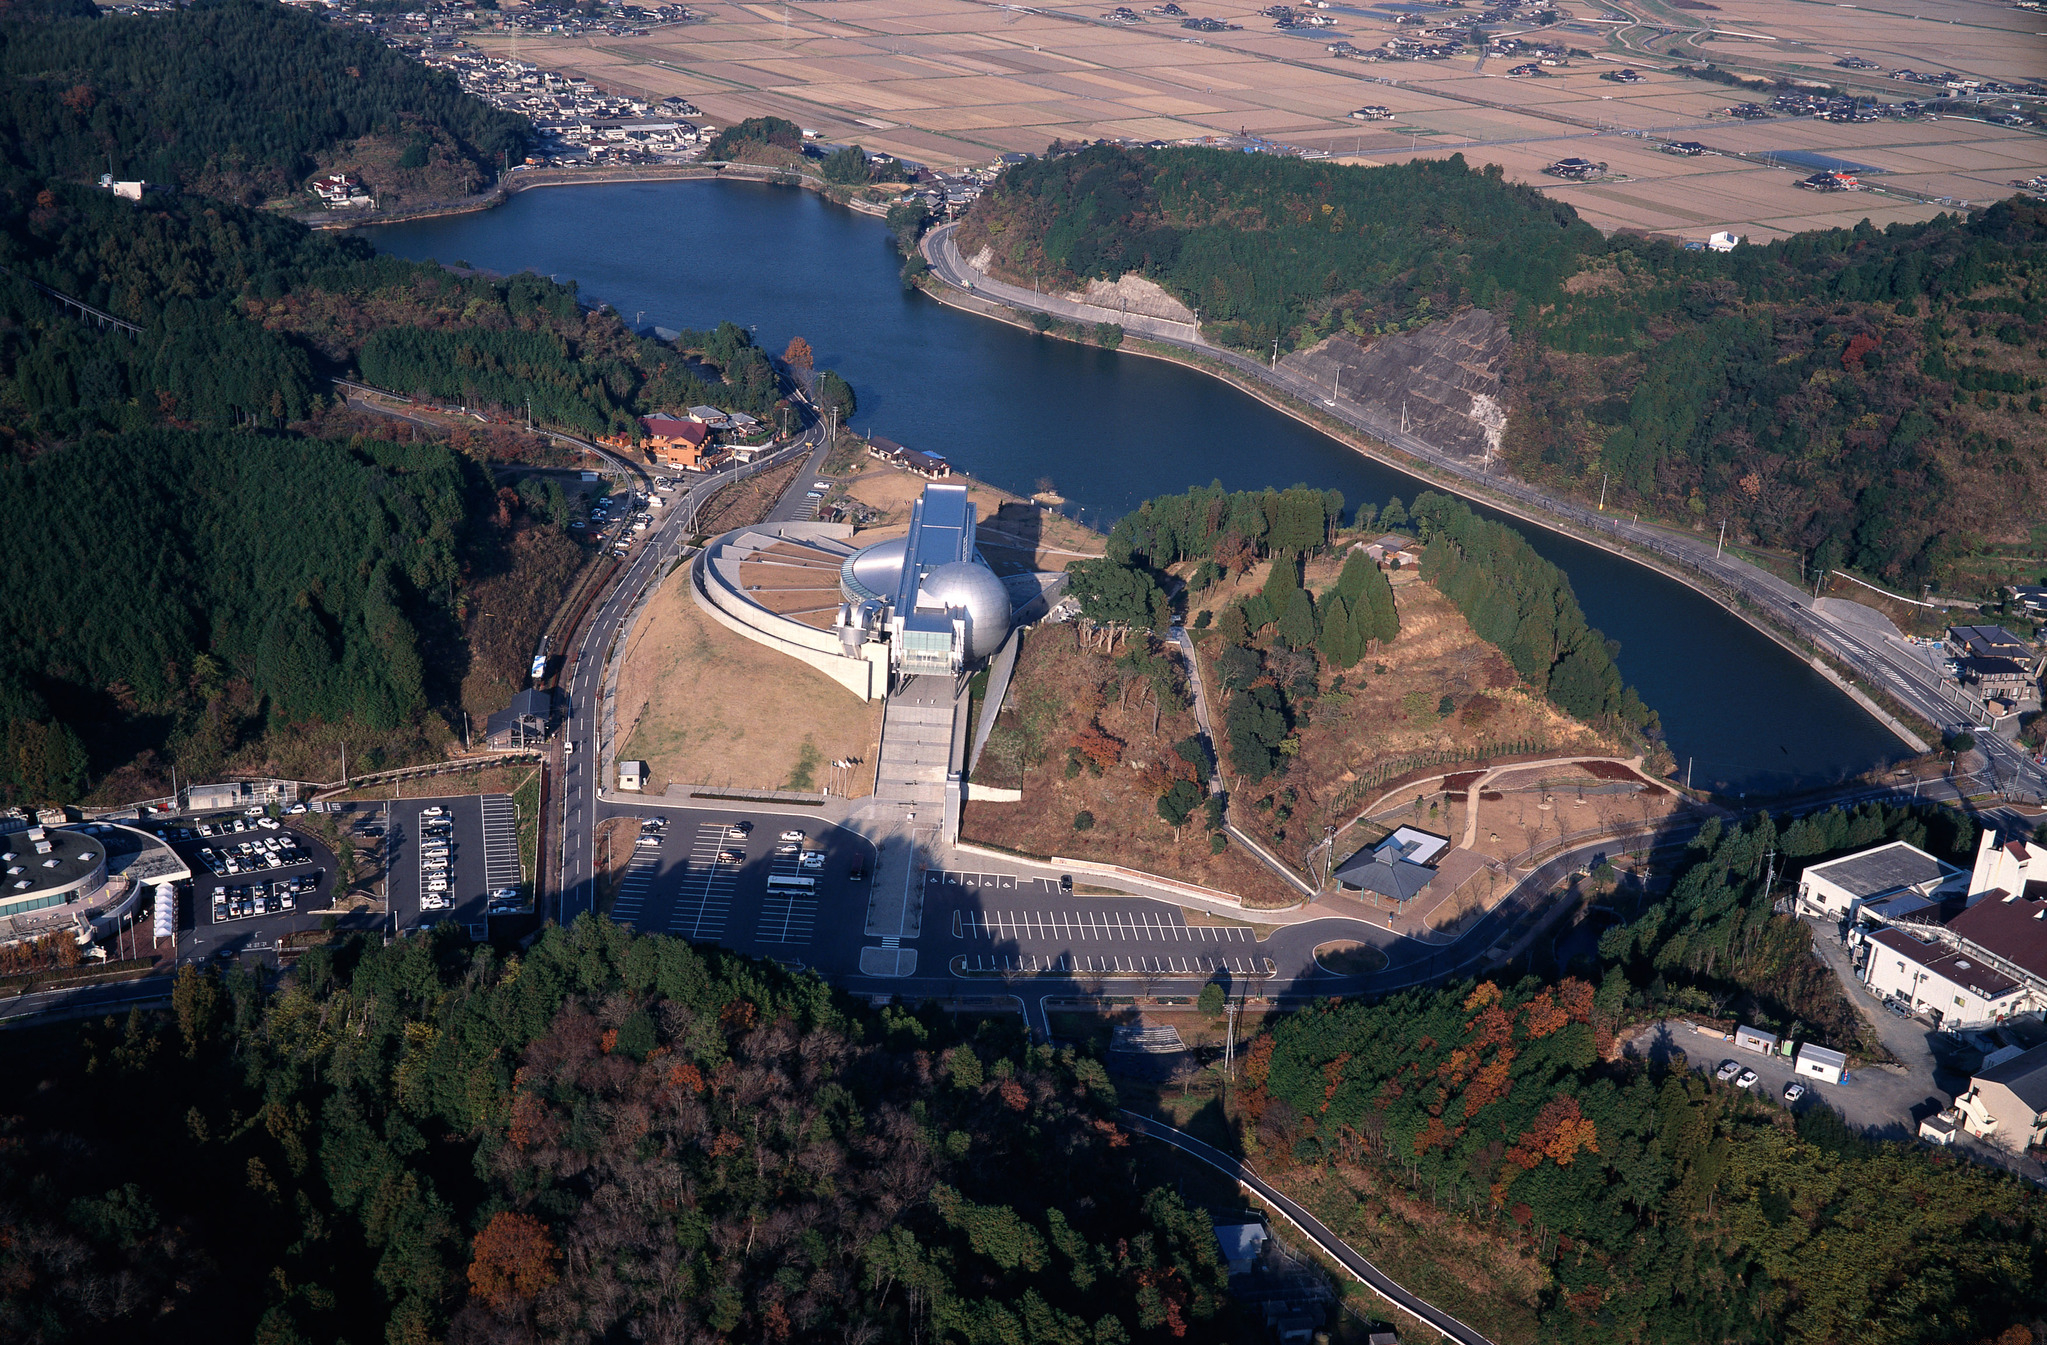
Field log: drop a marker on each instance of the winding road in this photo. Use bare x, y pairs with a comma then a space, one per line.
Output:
1881, 663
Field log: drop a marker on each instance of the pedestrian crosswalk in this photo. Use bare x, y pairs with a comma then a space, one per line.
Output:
1086, 964
703, 898
1097, 925
789, 913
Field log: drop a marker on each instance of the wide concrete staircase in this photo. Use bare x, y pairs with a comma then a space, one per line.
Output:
916, 743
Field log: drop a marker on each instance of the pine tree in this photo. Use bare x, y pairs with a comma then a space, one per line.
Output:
1297, 622
1336, 639
1357, 571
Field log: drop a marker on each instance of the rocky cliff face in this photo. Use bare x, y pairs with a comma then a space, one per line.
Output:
1448, 374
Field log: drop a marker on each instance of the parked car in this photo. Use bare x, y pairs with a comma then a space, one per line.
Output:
856, 874
811, 859
1747, 1079
1793, 1091
737, 832
731, 857
1728, 1069
793, 834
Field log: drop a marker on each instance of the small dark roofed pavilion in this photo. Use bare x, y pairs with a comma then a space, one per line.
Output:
1398, 867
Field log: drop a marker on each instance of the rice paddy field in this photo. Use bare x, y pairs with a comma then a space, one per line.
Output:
952, 83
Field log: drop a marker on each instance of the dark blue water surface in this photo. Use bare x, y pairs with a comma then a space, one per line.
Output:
1108, 430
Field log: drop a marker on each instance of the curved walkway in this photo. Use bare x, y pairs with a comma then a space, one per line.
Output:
1342, 1252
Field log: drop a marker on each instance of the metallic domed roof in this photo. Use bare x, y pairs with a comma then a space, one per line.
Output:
871, 574
974, 588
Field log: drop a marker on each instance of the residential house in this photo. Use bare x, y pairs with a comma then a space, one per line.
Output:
1394, 550
2029, 598
521, 723
931, 466
2006, 1105
1842, 887
337, 190
675, 442
1398, 867
1995, 642
710, 417
2003, 684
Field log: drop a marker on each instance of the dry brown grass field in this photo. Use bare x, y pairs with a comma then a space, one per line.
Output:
703, 705
955, 82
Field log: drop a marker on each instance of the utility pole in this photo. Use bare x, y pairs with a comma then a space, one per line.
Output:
1723, 539
1275, 354
344, 763
1602, 492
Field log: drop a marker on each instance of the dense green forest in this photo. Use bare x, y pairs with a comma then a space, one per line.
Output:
226, 555
1660, 1207
1278, 641
601, 1137
1663, 1207
1524, 604
240, 99
1863, 396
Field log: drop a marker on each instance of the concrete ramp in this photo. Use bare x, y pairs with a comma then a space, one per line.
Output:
916, 743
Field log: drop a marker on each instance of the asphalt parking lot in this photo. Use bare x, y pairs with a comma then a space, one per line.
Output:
1885, 1103
208, 931
697, 882
482, 856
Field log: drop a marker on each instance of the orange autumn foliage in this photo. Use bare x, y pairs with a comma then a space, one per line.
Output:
1098, 745
512, 1258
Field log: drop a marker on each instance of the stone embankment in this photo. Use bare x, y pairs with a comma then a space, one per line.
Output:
1442, 381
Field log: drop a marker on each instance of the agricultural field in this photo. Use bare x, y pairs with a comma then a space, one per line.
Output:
952, 84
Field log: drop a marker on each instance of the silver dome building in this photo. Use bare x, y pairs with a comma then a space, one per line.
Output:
928, 594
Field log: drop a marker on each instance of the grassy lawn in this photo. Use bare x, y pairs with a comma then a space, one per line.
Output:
526, 799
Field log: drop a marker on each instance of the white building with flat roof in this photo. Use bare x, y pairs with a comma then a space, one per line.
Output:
1841, 887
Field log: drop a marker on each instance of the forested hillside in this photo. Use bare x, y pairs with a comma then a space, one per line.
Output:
221, 557
1868, 397
1280, 641
603, 1137
1653, 1208
238, 99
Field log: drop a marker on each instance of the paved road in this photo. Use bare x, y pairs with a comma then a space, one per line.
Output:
1888, 664
581, 680
1342, 1252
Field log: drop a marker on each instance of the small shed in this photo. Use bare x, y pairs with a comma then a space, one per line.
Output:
1938, 1129
632, 775
1755, 1039
1817, 1062
1240, 1245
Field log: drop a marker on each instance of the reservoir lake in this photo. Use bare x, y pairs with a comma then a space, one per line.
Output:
1109, 430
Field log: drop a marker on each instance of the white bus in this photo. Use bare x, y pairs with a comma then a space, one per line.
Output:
796, 883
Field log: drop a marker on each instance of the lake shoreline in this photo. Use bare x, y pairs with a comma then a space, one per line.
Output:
1126, 431
1385, 455
592, 177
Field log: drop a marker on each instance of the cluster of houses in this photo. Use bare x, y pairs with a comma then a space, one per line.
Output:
1997, 669
930, 466
341, 191
1963, 949
700, 441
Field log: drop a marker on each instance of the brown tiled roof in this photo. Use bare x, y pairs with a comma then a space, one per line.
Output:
2014, 928
1942, 960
